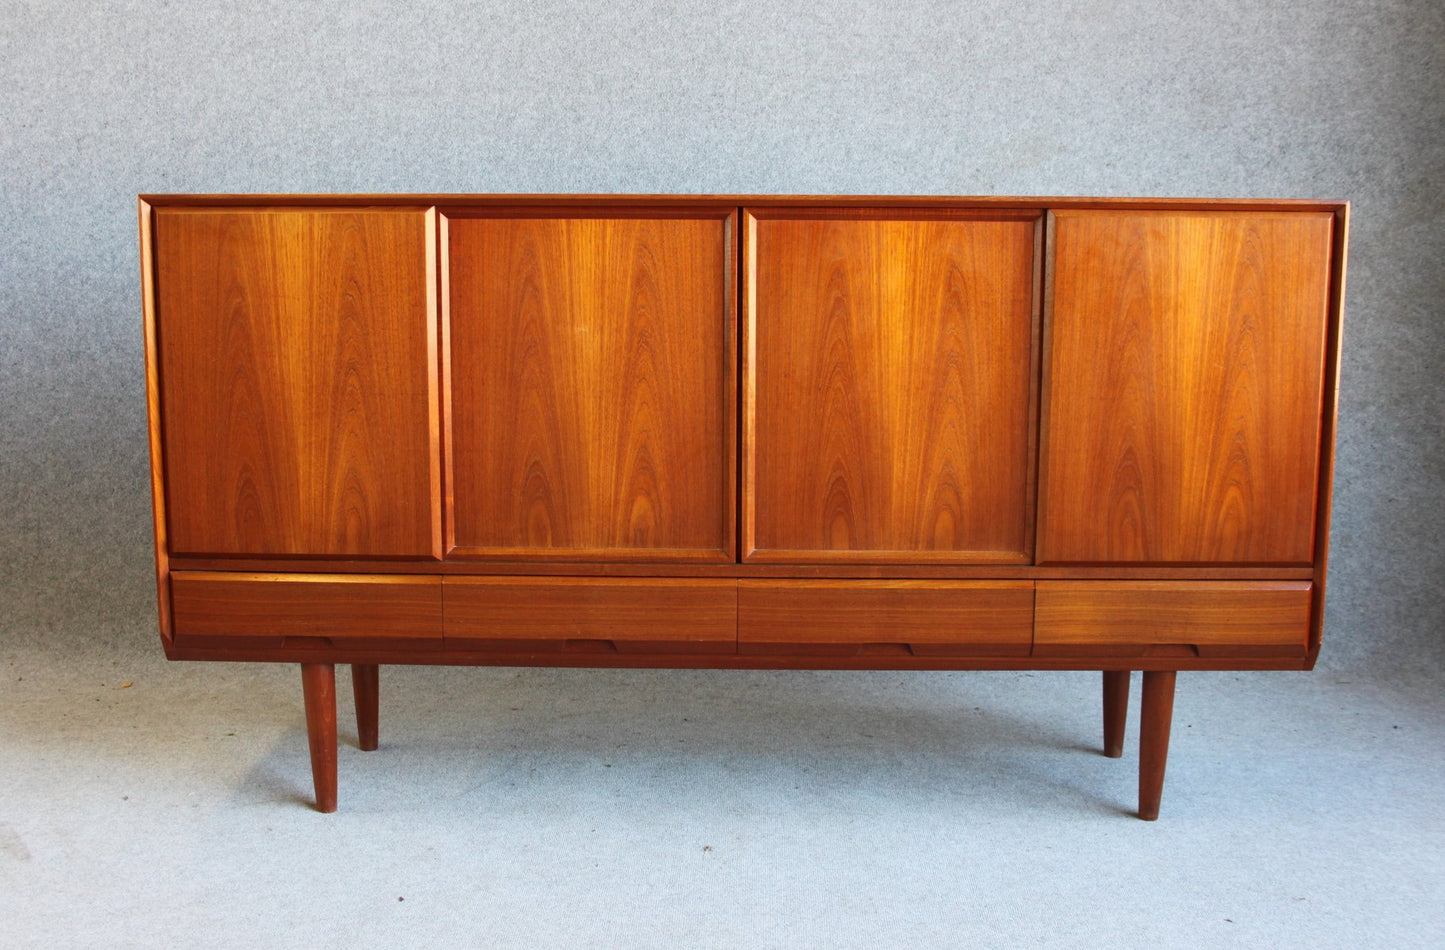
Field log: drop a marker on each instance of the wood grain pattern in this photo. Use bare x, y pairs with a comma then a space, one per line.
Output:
1167, 618
1184, 371
592, 388
886, 405
298, 381
634, 615
269, 609
917, 618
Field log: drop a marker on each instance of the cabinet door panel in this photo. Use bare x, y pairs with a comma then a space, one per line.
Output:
298, 381
889, 387
591, 386
1183, 374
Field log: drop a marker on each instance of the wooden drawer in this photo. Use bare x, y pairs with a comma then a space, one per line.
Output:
343, 610
597, 615
907, 618
1168, 618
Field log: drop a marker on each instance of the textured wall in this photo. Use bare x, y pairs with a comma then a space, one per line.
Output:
99, 101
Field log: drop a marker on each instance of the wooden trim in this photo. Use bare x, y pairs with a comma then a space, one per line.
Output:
719, 567
749, 549
444, 359
716, 661
594, 555
1046, 341
582, 208
1329, 426
793, 556
153, 416
730, 385
433, 386
767, 210
1031, 489
455, 203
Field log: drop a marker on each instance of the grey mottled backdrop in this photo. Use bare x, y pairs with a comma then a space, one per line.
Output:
100, 101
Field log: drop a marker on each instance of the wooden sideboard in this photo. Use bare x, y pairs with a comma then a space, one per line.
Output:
742, 432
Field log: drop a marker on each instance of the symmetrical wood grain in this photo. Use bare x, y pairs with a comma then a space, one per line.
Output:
916, 618
1184, 370
346, 609
592, 386
887, 391
298, 381
624, 615
1164, 618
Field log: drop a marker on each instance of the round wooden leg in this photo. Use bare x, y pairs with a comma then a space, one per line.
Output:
365, 685
318, 685
1155, 715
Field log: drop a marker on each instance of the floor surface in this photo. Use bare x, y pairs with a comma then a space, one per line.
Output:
147, 804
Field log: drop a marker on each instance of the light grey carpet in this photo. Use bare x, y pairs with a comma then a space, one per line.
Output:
535, 808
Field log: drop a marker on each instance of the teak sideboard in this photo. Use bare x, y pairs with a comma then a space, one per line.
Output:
742, 432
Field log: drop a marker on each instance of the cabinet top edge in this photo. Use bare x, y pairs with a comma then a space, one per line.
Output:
1039, 203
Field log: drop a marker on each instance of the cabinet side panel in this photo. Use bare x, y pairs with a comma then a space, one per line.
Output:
890, 388
297, 373
153, 418
591, 390
1185, 383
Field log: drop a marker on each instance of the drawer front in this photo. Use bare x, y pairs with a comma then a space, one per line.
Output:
1165, 618
906, 618
596, 615
346, 610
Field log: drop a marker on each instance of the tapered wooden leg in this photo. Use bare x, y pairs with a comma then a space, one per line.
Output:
366, 687
1116, 711
1155, 714
318, 683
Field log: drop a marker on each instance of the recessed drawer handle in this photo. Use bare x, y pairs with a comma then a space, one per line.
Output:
1171, 649
885, 649
586, 645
